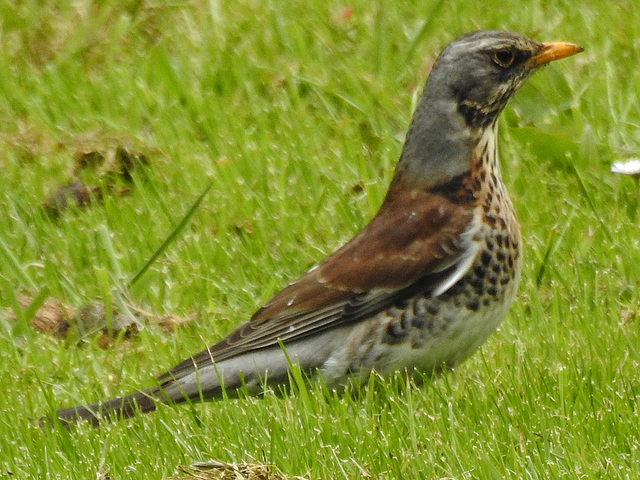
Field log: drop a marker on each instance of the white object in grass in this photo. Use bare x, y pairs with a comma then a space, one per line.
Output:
627, 167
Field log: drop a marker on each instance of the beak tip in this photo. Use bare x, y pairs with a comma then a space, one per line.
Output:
555, 51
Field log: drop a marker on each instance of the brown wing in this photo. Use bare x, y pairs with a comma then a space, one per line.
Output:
418, 240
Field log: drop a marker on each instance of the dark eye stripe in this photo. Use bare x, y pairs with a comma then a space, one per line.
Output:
522, 56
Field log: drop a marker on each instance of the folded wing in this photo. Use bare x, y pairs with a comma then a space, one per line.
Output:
416, 243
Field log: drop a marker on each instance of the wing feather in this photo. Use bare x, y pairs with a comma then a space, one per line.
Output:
417, 242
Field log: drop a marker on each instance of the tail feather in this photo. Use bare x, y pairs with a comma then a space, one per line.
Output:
249, 373
118, 408
175, 390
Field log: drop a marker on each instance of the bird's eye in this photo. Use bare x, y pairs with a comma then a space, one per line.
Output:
504, 57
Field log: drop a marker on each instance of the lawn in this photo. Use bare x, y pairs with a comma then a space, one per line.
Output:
116, 118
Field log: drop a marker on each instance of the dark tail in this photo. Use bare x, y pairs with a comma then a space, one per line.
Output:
118, 408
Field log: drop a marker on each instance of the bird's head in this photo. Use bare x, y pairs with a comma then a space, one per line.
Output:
482, 70
470, 83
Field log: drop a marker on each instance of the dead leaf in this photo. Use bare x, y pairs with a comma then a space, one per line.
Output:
73, 193
170, 323
51, 318
61, 321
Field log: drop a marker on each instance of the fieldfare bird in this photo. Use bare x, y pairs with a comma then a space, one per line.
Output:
423, 284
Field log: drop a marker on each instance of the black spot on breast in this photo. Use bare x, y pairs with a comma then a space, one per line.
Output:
405, 320
491, 220
480, 271
394, 333
432, 309
418, 322
478, 285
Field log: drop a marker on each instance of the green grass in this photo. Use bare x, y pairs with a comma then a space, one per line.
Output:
296, 116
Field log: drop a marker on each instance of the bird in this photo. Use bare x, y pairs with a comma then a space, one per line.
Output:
421, 286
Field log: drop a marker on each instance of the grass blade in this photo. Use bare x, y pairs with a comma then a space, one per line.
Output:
172, 236
10, 260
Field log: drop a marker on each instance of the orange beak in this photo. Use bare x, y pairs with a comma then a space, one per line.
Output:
554, 51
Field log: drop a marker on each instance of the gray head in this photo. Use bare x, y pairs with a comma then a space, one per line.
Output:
470, 83
482, 70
